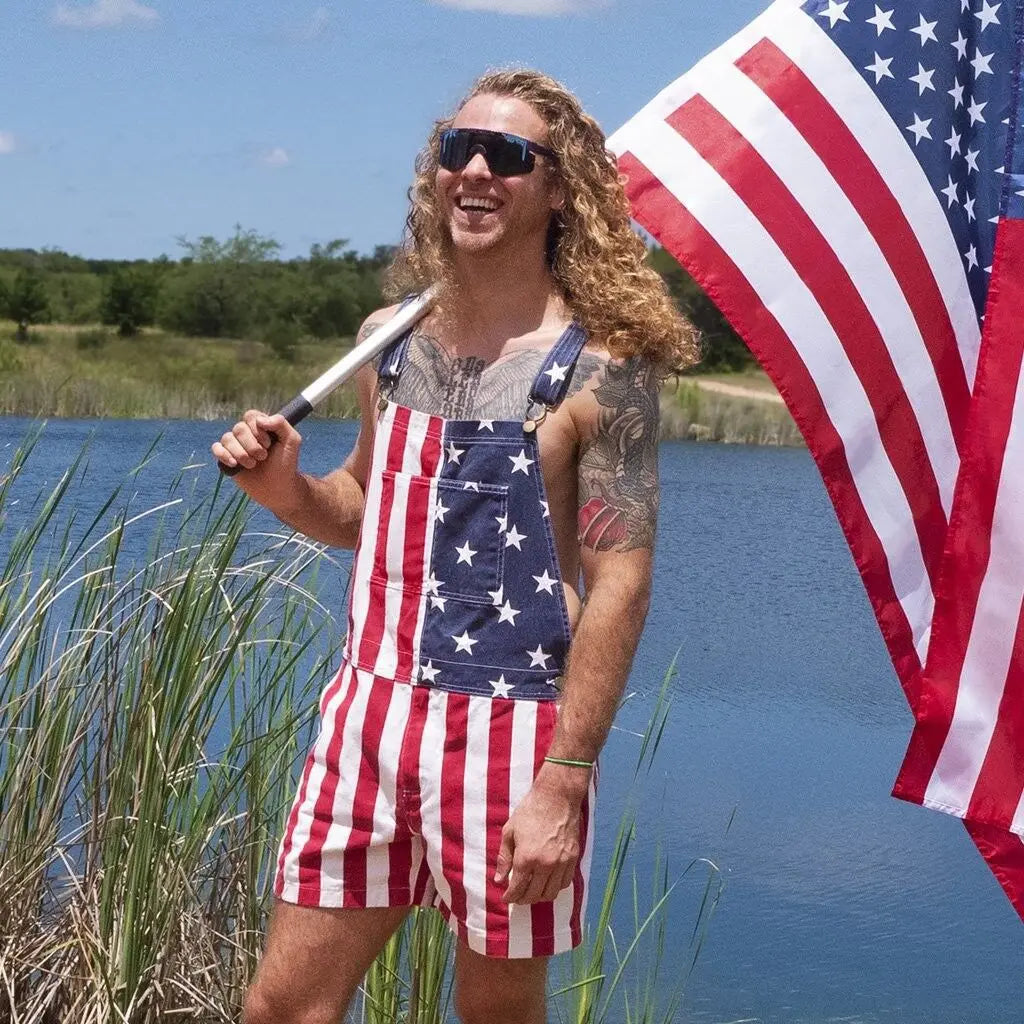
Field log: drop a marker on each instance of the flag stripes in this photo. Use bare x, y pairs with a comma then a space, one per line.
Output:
965, 754
793, 191
682, 233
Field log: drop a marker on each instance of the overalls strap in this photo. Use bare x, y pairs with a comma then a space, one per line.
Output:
392, 359
553, 378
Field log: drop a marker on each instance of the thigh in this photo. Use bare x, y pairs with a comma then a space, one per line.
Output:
497, 990
315, 958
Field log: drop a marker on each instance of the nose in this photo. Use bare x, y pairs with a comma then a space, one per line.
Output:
477, 167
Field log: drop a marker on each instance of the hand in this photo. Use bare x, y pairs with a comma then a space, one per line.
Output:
270, 469
540, 845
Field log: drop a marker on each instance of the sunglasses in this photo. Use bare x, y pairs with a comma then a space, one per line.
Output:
506, 155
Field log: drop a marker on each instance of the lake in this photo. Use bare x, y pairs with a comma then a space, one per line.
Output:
786, 731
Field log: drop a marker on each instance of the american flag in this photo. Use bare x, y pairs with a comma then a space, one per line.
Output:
846, 181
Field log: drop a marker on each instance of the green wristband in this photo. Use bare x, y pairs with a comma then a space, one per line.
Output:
568, 762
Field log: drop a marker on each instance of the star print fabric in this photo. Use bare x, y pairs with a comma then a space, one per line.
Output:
941, 69
456, 583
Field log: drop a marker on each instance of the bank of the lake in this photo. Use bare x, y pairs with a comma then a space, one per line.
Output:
83, 372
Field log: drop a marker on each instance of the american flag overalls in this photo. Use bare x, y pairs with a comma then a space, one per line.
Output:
445, 704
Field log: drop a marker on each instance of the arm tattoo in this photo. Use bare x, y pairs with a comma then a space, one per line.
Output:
467, 387
618, 466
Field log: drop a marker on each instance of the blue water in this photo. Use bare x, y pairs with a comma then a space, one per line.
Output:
786, 730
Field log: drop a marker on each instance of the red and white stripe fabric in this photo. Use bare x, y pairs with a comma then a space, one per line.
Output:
966, 756
402, 802
388, 595
773, 174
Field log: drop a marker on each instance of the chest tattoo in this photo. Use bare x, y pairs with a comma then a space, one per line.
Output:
468, 387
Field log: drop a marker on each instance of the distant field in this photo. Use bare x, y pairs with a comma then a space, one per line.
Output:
87, 372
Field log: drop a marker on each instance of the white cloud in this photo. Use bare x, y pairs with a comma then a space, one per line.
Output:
103, 14
542, 8
275, 156
8, 143
316, 26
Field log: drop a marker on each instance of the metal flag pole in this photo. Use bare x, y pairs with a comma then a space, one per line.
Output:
345, 368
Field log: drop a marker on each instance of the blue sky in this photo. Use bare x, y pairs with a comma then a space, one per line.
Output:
126, 123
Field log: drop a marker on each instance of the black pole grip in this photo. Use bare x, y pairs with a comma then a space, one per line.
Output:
294, 412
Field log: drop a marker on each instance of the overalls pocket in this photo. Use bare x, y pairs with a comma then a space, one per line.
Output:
449, 543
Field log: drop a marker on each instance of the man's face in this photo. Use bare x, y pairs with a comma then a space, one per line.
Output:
521, 206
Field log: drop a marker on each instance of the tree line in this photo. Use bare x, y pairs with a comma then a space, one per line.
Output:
241, 288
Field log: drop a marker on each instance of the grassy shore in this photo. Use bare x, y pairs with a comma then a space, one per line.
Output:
86, 372
152, 711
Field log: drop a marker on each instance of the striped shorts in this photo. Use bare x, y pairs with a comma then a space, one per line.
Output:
402, 802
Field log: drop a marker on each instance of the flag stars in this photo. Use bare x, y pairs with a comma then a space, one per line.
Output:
514, 539
974, 111
982, 63
957, 92
502, 522
923, 79
496, 596
506, 613
538, 659
434, 585
440, 512
501, 688
926, 30
971, 256
454, 454
438, 602
951, 192
960, 45
882, 20
464, 642
520, 463
954, 143
920, 129
545, 582
880, 69
972, 159
471, 485
428, 672
969, 208
546, 514
987, 14
486, 425
466, 554
835, 12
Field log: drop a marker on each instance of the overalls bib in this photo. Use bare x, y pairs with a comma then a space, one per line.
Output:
444, 706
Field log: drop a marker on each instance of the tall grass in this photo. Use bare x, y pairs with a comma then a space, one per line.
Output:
158, 677
691, 412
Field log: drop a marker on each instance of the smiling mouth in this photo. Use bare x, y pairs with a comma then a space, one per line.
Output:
475, 205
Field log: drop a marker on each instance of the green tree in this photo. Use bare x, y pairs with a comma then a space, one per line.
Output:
220, 288
129, 301
723, 348
26, 302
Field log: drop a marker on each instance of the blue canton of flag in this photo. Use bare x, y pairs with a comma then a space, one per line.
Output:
939, 67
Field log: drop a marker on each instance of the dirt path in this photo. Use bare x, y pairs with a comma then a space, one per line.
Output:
737, 390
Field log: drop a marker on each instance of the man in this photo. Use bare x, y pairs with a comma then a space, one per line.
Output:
508, 445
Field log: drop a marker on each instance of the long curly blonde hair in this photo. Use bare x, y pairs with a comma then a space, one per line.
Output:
595, 257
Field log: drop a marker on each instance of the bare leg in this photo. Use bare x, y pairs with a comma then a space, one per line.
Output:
489, 990
314, 961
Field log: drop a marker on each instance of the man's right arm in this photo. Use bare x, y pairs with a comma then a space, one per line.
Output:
327, 509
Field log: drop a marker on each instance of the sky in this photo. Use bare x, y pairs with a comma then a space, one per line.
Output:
127, 124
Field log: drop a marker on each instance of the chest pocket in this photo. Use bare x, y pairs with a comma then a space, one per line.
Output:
441, 537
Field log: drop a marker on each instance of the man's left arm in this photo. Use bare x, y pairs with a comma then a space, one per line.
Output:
618, 509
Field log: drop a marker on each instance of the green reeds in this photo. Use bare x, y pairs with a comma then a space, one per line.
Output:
151, 710
158, 680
